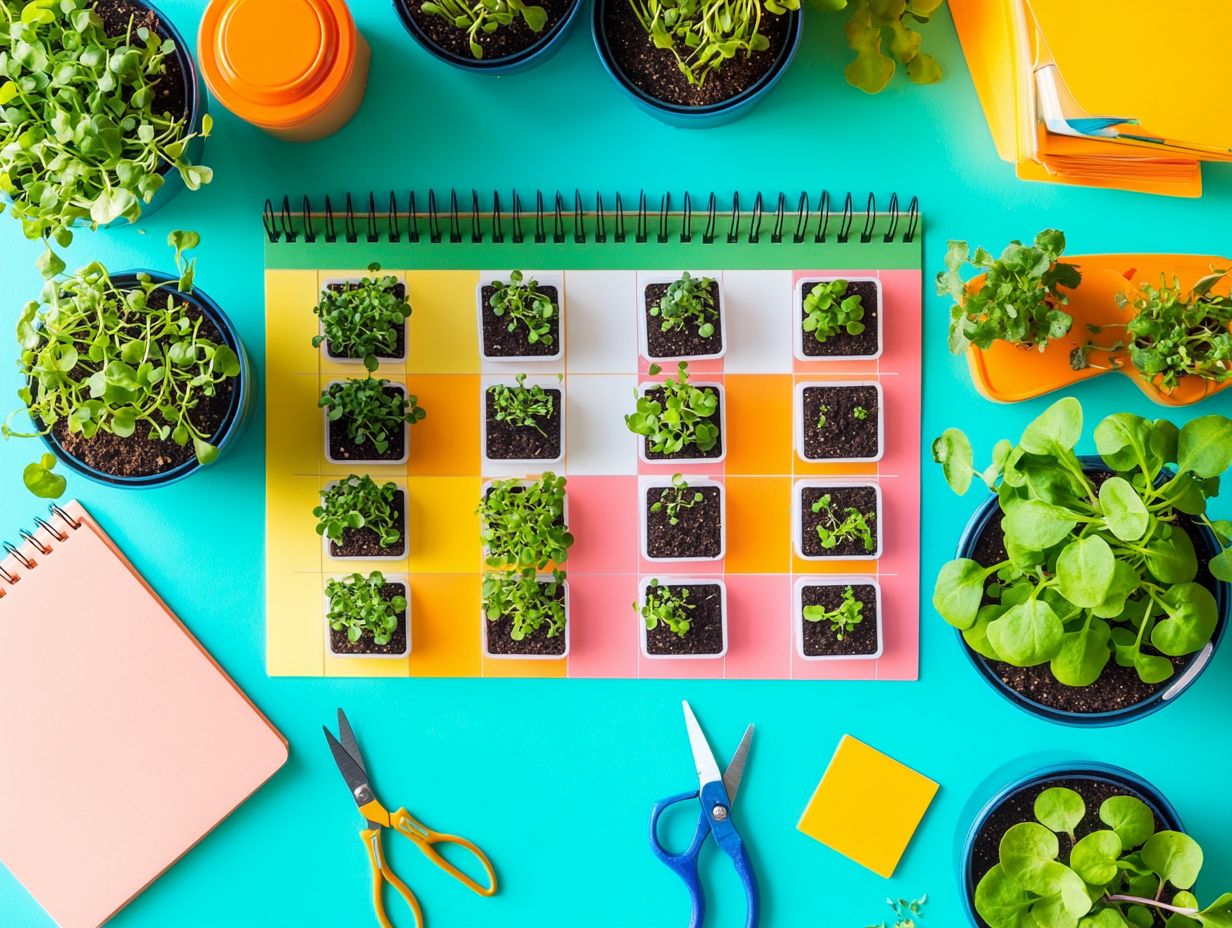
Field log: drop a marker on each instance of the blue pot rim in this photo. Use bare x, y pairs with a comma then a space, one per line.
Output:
762, 86
1223, 600
488, 65
228, 429
1075, 770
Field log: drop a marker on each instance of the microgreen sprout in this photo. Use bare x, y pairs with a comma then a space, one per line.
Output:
519, 303
529, 602
358, 606
522, 523
860, 413
842, 618
905, 912
688, 302
683, 415
522, 406
665, 605
827, 311
849, 525
821, 416
362, 319
486, 16
358, 502
679, 496
370, 413
872, 69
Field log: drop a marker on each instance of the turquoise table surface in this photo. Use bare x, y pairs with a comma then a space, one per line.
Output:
555, 779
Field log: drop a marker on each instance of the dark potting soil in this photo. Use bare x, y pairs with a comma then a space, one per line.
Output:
843, 345
655, 70
505, 41
843, 435
679, 343
690, 450
341, 448
365, 542
399, 290
499, 641
697, 532
169, 92
339, 644
508, 442
499, 342
819, 640
863, 498
705, 635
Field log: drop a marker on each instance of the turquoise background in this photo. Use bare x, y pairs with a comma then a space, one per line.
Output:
555, 780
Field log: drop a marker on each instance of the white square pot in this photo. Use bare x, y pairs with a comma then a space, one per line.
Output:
483, 619
649, 484
839, 581
798, 420
487, 484
406, 529
647, 280
381, 359
797, 518
645, 386
683, 581
798, 319
545, 279
405, 580
547, 383
406, 438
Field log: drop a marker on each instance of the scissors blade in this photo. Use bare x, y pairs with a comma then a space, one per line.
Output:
703, 757
735, 768
352, 773
347, 737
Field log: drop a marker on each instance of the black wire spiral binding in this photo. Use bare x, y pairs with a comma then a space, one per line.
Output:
38, 544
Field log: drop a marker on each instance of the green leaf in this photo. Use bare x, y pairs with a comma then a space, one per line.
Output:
1002, 902
1035, 524
1172, 559
40, 480
1121, 440
1059, 809
1174, 856
206, 453
953, 452
1130, 817
1083, 655
959, 591
1192, 617
1056, 429
1085, 571
1205, 446
1027, 634
1094, 857
1124, 510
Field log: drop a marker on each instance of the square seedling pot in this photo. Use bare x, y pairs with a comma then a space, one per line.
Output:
487, 485
648, 385
833, 483
548, 383
382, 359
406, 439
830, 580
542, 578
402, 579
545, 279
406, 529
798, 420
800, 335
644, 323
684, 581
647, 493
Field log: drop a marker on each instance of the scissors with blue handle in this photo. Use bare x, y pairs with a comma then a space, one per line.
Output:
715, 793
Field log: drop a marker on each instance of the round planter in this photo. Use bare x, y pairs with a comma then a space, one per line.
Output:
549, 44
696, 117
234, 421
1039, 779
1206, 546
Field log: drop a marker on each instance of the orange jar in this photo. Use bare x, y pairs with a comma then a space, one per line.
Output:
295, 68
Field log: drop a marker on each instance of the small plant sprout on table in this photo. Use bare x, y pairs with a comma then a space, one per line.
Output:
843, 618
676, 418
682, 521
519, 318
683, 618
365, 614
368, 417
526, 613
365, 319
355, 504
484, 17
522, 523
829, 311
907, 913
522, 422
836, 525
872, 69
676, 498
683, 318
666, 606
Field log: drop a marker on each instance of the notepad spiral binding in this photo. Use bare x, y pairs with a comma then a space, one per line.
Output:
552, 222
39, 545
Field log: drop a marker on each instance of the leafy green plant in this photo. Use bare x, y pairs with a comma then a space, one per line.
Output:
905, 912
688, 303
82, 137
358, 606
529, 602
1114, 876
842, 618
870, 21
522, 303
522, 524
362, 319
703, 34
358, 502
683, 415
1098, 565
665, 605
370, 413
676, 498
827, 312
849, 525
486, 17
1020, 301
522, 406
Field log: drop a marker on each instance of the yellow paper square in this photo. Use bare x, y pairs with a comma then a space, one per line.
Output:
867, 806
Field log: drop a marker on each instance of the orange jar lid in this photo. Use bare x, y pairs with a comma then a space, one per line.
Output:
277, 63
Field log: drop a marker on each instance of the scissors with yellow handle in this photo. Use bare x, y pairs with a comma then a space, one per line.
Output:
351, 765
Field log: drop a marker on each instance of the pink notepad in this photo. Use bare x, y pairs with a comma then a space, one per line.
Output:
124, 743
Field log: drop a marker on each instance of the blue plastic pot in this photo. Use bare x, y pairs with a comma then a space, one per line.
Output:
1038, 780
548, 44
696, 117
1206, 546
234, 421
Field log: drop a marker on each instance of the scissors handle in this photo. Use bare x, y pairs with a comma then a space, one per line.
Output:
381, 874
716, 815
427, 839
684, 864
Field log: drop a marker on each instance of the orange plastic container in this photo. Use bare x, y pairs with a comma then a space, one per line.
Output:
295, 68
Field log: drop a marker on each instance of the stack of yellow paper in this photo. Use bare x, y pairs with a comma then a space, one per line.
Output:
1130, 95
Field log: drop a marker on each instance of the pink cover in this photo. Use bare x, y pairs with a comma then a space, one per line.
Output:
124, 742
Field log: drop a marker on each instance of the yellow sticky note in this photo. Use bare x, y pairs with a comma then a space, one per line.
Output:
867, 806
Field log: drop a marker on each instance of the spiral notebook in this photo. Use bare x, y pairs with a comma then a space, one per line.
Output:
600, 252
124, 742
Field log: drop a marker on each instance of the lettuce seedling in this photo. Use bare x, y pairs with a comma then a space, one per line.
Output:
872, 69
665, 605
529, 602
362, 319
827, 312
519, 303
522, 406
1098, 565
842, 618
860, 413
683, 415
676, 498
688, 303
358, 606
358, 502
523, 524
486, 16
848, 525
370, 413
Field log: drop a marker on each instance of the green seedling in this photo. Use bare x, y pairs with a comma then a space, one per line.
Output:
1021, 299
369, 412
522, 525
688, 303
362, 320
842, 618
822, 413
905, 912
529, 602
849, 525
683, 415
519, 303
860, 413
827, 311
358, 606
873, 21
522, 406
484, 17
676, 498
358, 502
1099, 566
665, 605
40, 480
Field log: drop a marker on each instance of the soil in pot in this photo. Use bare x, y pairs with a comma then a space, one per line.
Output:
819, 641
169, 92
504, 42
679, 342
849, 420
499, 342
536, 644
341, 448
398, 290
656, 72
690, 450
339, 644
705, 635
508, 442
698, 529
863, 498
842, 345
365, 542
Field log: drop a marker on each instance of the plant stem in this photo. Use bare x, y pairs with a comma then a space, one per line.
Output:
1141, 900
